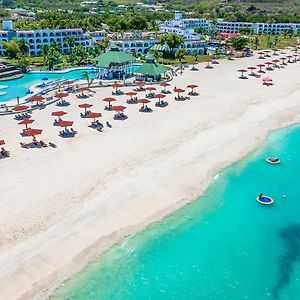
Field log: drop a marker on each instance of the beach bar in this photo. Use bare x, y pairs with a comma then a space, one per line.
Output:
150, 69
114, 64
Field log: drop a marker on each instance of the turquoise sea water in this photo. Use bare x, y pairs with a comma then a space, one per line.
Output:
11, 89
224, 245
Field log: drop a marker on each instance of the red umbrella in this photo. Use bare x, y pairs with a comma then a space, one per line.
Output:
33, 132
165, 85
261, 54
37, 98
177, 90
119, 108
131, 94
192, 86
85, 106
140, 83
2, 142
150, 88
159, 96
20, 107
242, 71
116, 85
143, 101
61, 95
82, 89
68, 82
26, 123
260, 67
59, 113
65, 124
268, 63
93, 115
252, 69
276, 61
109, 100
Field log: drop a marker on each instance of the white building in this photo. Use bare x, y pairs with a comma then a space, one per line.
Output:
37, 38
179, 25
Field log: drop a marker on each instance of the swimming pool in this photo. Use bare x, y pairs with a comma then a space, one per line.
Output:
11, 89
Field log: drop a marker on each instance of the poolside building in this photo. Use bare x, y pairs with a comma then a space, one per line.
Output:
115, 63
150, 69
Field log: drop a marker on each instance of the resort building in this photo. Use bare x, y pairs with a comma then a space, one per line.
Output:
140, 46
37, 38
179, 25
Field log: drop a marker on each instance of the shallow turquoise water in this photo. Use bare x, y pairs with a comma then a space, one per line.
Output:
224, 245
11, 89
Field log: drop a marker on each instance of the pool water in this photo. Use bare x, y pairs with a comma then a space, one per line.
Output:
224, 245
11, 89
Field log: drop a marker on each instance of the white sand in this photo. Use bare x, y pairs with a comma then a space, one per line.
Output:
61, 207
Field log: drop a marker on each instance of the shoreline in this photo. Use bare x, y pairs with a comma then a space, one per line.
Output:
201, 149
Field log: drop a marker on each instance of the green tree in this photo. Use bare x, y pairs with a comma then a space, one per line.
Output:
239, 42
195, 54
180, 53
78, 55
12, 48
88, 79
173, 40
23, 63
24, 46
70, 41
52, 58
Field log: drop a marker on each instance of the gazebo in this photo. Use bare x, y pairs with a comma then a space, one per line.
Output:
114, 63
151, 69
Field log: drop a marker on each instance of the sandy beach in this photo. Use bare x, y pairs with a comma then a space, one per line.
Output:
62, 207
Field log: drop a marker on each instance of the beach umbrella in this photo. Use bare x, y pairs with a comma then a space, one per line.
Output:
159, 96
289, 58
131, 94
192, 86
260, 68
242, 71
208, 64
283, 59
33, 132
164, 85
2, 142
140, 83
261, 55
37, 98
93, 115
68, 82
82, 89
150, 88
65, 124
85, 106
119, 108
268, 63
275, 62
143, 101
20, 107
267, 53
59, 113
178, 90
26, 123
61, 95
109, 100
251, 69
116, 85
267, 79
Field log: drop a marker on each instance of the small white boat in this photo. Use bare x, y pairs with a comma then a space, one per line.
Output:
265, 200
273, 160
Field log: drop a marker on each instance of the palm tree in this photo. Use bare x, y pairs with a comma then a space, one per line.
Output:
88, 79
180, 53
195, 54
70, 41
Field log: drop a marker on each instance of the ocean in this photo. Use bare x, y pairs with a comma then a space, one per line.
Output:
223, 245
